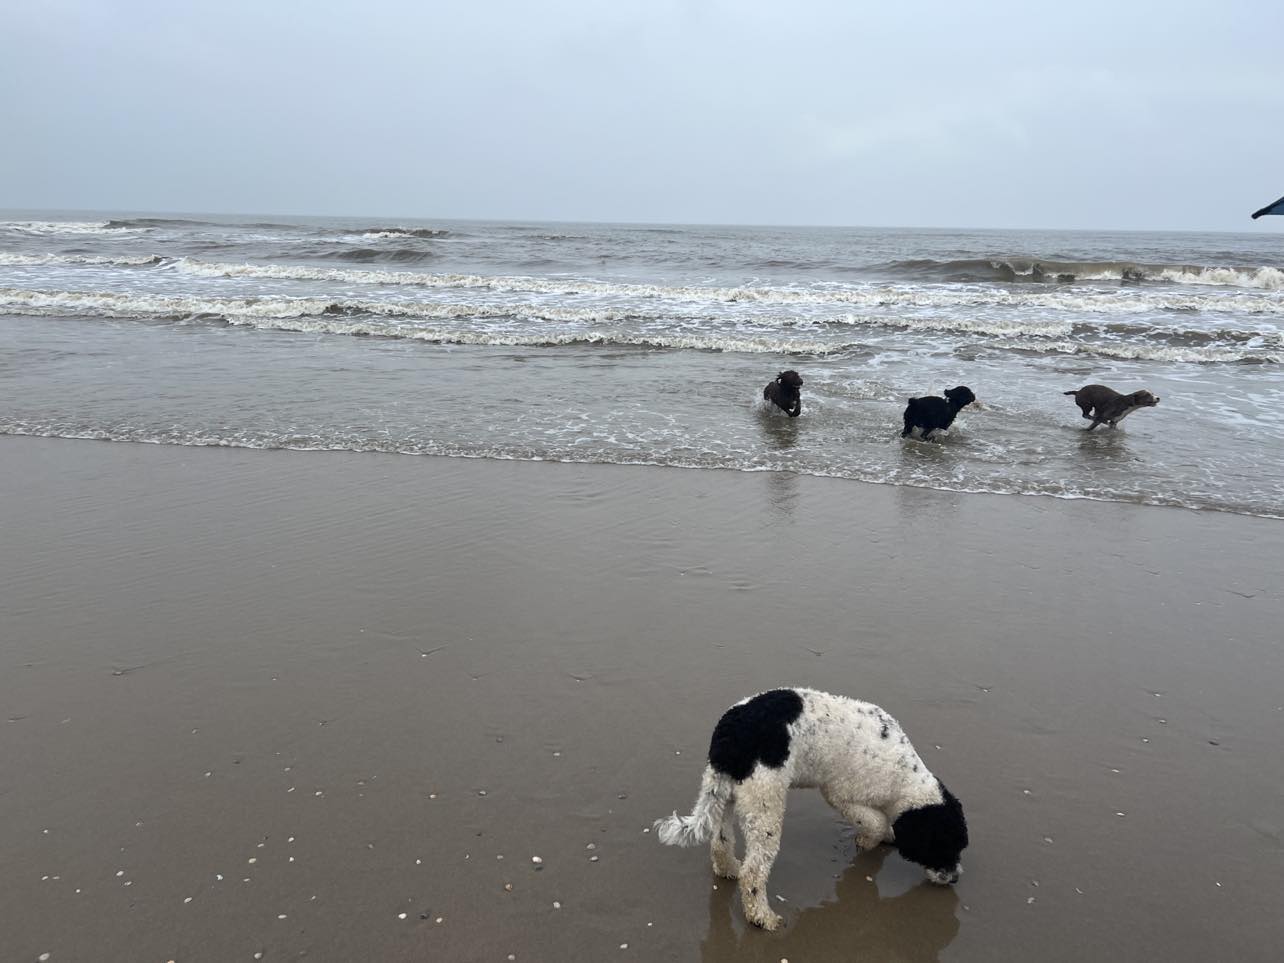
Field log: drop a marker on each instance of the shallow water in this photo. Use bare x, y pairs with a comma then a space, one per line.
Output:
651, 344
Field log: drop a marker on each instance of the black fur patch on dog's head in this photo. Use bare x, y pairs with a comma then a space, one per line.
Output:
933, 836
961, 396
790, 378
1143, 398
754, 731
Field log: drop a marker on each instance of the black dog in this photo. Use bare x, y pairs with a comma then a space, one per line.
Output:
784, 393
1110, 406
932, 414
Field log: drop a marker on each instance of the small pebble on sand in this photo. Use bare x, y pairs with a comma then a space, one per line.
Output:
536, 860
591, 846
592, 859
556, 905
401, 916
508, 887
42, 957
624, 946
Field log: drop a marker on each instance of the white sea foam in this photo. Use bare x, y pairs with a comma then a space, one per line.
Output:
511, 324
1111, 301
63, 227
1268, 278
19, 260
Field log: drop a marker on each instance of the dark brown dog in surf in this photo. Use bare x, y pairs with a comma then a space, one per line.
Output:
785, 393
1102, 405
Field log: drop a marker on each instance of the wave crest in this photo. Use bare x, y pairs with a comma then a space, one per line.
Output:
1029, 269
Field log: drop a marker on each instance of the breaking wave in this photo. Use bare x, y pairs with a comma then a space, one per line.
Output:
33, 260
420, 232
1126, 301
533, 324
1025, 269
131, 223
64, 227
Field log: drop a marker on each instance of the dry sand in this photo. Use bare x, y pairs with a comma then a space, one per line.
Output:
270, 702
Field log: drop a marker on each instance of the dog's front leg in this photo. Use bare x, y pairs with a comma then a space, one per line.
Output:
871, 825
796, 410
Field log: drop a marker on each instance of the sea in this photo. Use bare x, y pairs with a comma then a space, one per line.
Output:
650, 344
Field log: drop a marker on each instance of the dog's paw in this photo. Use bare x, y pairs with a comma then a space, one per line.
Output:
769, 921
727, 869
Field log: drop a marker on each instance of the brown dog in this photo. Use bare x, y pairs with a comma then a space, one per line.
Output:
1110, 406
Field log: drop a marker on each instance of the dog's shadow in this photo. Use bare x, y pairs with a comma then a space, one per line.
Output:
857, 923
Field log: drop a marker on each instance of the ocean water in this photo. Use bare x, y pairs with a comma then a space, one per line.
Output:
647, 344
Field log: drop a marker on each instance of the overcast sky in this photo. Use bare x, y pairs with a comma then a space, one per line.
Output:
1113, 115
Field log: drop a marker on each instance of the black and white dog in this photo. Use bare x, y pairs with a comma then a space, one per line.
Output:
784, 393
852, 751
934, 414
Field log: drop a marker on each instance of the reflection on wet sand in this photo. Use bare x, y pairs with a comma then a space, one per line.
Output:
856, 924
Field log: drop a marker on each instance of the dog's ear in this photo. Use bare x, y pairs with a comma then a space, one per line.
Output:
933, 836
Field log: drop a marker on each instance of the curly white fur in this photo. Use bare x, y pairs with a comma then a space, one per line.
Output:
715, 793
853, 752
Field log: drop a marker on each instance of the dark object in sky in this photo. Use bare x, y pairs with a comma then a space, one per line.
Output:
1276, 208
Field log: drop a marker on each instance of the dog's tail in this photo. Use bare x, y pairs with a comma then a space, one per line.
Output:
715, 793
1075, 392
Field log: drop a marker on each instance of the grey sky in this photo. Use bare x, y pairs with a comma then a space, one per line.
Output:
1111, 115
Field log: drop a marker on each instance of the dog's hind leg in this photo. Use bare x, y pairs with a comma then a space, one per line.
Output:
870, 824
760, 810
722, 850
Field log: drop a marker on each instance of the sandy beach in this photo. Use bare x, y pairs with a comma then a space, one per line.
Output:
332, 706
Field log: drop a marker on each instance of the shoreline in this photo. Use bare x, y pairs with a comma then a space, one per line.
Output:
305, 669
488, 457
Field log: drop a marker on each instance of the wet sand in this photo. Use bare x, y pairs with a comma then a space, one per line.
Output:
313, 692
